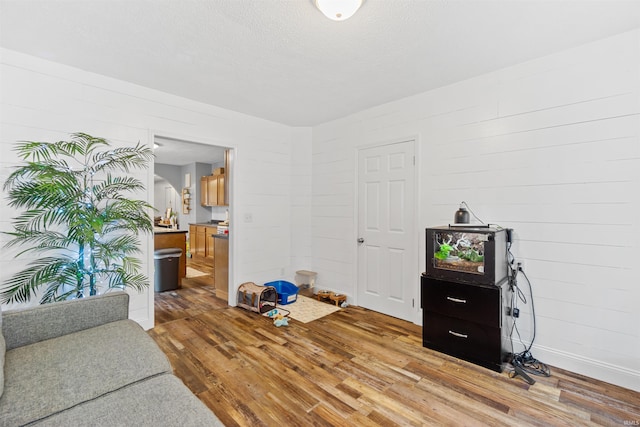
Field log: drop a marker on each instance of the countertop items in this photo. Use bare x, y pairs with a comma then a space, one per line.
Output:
162, 230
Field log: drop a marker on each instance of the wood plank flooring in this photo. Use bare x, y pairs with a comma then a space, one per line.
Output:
356, 367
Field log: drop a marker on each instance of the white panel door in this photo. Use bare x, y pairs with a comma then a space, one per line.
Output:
386, 235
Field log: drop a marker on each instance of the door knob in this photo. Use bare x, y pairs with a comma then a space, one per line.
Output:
360, 240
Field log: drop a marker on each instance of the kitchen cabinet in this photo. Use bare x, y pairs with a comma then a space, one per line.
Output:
192, 240
196, 244
201, 240
221, 266
212, 190
209, 249
204, 194
220, 186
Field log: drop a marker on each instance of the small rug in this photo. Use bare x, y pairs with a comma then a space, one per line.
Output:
192, 272
307, 309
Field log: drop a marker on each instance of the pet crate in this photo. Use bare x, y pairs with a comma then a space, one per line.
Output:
256, 298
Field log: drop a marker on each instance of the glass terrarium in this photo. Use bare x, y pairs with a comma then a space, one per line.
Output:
459, 251
471, 254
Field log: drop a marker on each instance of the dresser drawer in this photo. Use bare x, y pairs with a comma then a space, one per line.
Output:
471, 341
480, 304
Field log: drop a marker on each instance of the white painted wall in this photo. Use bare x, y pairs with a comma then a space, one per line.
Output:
42, 100
300, 203
550, 148
165, 196
168, 192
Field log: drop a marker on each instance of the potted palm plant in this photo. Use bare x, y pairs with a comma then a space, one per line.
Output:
76, 219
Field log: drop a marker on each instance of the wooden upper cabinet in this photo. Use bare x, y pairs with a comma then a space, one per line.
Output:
220, 190
212, 190
204, 199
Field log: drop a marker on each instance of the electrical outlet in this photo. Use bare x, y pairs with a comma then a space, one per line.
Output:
519, 264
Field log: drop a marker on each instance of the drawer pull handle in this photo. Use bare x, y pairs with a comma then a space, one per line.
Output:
459, 335
462, 301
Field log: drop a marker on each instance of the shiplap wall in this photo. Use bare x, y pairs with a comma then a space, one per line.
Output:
550, 148
42, 100
300, 203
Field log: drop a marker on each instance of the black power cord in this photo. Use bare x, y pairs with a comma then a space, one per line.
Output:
523, 363
472, 213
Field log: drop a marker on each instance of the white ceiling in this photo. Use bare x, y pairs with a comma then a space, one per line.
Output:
282, 60
176, 152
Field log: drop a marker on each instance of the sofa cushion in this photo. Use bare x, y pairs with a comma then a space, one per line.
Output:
28, 325
3, 348
57, 374
159, 401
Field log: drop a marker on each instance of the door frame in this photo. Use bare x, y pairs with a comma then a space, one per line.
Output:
416, 315
231, 179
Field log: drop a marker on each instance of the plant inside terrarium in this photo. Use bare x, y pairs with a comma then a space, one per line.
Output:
463, 248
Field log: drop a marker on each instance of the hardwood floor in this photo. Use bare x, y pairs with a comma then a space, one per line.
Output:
356, 367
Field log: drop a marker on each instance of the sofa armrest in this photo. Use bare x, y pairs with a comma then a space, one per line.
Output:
34, 324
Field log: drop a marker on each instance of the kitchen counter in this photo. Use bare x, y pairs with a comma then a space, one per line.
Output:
206, 224
162, 230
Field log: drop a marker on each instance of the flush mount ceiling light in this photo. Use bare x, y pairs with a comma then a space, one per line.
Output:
338, 10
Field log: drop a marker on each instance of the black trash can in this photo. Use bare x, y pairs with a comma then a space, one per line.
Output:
167, 263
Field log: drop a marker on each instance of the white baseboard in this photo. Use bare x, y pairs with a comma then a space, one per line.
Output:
613, 374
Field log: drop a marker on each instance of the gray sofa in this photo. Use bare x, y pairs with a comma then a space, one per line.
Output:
83, 363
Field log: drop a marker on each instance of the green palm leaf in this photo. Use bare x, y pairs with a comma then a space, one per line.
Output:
79, 212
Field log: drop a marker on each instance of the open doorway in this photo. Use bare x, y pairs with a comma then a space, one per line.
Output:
191, 196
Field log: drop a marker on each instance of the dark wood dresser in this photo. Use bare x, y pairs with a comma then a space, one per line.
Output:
468, 321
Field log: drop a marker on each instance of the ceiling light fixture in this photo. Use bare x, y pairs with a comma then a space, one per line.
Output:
338, 10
